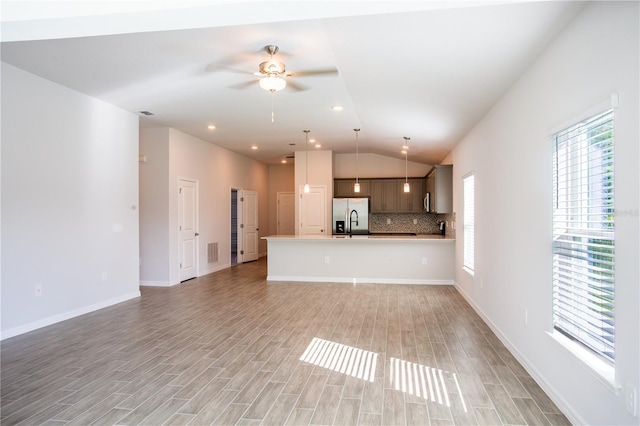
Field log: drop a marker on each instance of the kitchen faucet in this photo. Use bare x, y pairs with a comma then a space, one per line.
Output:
351, 222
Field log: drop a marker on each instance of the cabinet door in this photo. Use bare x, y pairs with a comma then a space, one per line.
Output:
384, 194
344, 188
444, 189
391, 187
410, 202
377, 196
431, 189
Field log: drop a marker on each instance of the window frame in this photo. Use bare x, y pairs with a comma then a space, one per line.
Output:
575, 226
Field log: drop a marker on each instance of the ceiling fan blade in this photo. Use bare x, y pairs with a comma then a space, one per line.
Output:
295, 86
243, 85
306, 73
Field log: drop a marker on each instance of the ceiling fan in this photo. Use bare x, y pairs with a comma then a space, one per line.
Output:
273, 74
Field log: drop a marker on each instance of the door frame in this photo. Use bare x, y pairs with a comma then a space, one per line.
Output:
299, 210
293, 199
196, 207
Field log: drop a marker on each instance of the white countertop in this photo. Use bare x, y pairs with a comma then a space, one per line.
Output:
377, 238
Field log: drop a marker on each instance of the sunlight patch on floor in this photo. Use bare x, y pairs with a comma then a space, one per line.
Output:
343, 359
422, 381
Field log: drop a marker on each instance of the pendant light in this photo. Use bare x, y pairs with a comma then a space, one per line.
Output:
306, 161
356, 186
406, 186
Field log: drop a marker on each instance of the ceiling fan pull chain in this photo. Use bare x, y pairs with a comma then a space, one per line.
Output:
272, 113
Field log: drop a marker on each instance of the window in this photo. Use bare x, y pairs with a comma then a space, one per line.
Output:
468, 213
583, 234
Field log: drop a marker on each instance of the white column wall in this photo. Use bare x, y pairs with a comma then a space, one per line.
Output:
320, 172
510, 153
69, 203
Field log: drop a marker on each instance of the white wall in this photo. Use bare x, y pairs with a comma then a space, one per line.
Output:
154, 206
511, 155
375, 166
69, 203
319, 173
217, 171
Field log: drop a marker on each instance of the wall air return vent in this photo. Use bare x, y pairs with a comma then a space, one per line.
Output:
212, 252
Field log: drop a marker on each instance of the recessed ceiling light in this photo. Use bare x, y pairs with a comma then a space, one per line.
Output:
312, 140
211, 127
318, 145
254, 147
404, 151
337, 108
284, 161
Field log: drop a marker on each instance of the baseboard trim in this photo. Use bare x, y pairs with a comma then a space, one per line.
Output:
213, 269
348, 280
16, 331
157, 283
562, 404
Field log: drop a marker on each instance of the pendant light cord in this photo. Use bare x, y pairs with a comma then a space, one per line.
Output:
306, 157
357, 153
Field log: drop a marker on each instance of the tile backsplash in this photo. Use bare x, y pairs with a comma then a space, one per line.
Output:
426, 223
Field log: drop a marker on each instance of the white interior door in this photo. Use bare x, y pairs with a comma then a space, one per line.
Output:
286, 213
313, 211
249, 200
188, 228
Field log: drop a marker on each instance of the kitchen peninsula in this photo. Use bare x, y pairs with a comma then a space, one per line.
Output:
420, 259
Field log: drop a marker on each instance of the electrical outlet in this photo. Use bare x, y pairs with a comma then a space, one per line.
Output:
388, 221
631, 400
424, 260
38, 290
415, 221
326, 259
104, 277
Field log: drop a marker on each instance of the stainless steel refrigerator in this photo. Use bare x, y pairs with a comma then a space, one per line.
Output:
350, 216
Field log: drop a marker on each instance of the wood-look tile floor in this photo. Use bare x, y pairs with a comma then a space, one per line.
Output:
226, 349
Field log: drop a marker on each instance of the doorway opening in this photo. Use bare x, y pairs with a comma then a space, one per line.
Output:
234, 226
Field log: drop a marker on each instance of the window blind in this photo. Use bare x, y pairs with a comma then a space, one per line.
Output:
468, 184
583, 233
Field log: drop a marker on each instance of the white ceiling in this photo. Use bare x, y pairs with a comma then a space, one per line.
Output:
423, 69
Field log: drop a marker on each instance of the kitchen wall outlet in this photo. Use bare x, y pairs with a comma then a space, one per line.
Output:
415, 221
453, 225
424, 260
388, 221
631, 400
326, 259
38, 290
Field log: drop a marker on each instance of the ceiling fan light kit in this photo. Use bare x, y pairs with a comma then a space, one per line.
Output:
272, 83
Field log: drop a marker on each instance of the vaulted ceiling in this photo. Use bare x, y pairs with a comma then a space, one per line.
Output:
423, 69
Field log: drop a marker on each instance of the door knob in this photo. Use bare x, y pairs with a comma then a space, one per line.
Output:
197, 234
257, 229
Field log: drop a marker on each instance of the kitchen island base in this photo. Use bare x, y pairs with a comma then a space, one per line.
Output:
410, 260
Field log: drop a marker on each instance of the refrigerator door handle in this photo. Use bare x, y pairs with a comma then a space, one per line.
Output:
347, 225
